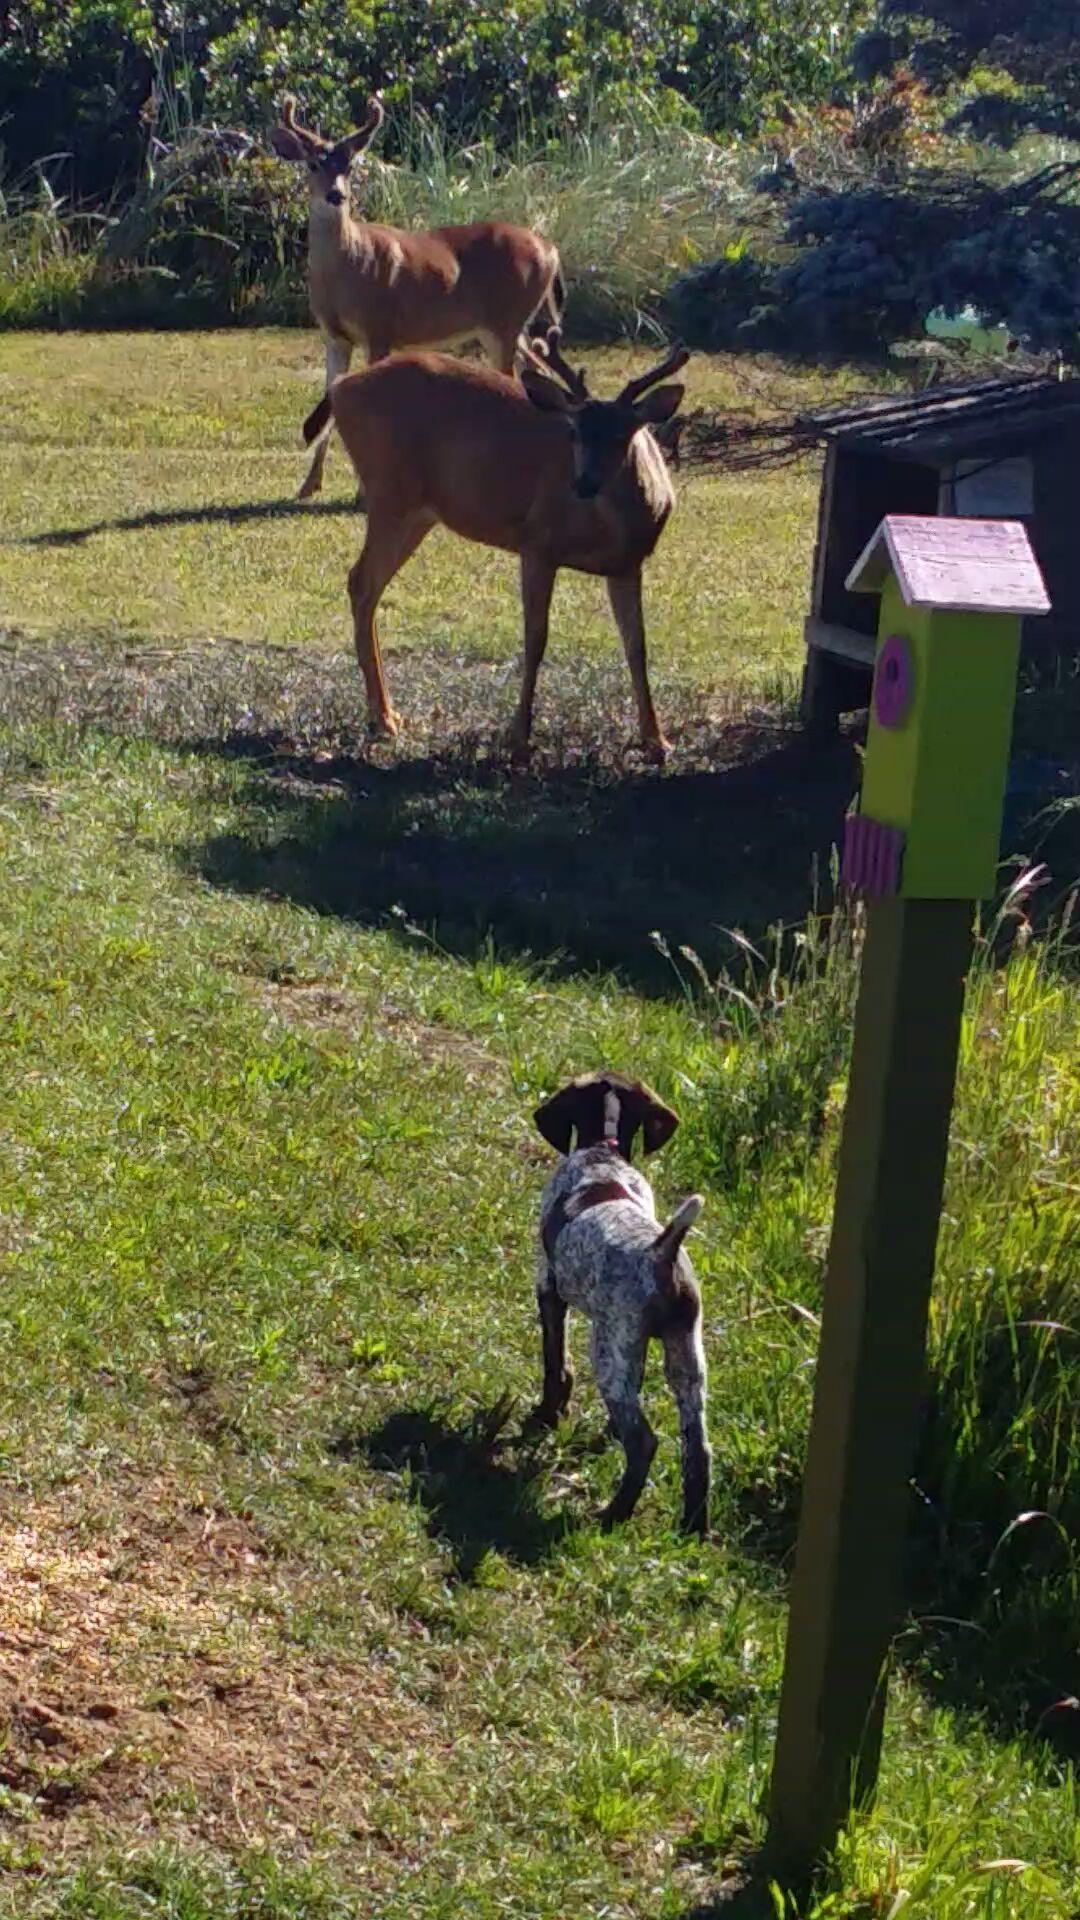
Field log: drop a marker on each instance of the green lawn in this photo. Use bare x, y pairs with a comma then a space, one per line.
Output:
294, 1625
151, 480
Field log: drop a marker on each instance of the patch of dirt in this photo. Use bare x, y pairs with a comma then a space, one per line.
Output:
146, 1685
332, 1011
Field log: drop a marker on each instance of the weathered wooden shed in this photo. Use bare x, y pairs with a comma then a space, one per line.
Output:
994, 448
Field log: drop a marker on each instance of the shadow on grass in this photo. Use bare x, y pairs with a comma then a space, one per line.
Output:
222, 514
580, 864
744, 1898
748, 1895
473, 1501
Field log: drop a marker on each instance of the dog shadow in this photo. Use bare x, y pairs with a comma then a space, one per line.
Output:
474, 1501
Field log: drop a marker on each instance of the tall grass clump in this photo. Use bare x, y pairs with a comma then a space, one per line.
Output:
48, 254
999, 1466
629, 202
215, 229
996, 1514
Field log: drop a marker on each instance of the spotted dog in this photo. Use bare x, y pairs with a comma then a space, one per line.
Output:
603, 1251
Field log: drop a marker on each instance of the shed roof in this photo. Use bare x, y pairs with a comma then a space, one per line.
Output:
967, 566
998, 416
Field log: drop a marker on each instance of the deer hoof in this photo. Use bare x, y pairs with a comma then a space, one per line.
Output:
309, 488
386, 726
656, 749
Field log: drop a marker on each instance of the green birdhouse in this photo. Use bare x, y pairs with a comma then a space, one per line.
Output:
953, 594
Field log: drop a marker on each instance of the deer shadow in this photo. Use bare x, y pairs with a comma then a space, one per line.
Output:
578, 867
236, 514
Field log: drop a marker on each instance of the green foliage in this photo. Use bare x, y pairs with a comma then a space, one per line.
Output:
94, 78
1034, 44
860, 264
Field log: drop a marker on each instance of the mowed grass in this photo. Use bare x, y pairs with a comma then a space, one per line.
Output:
294, 1623
149, 489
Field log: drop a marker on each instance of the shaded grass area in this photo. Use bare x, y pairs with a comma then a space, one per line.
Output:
294, 1622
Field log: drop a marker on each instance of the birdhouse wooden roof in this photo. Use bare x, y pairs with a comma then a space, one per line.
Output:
979, 417
965, 566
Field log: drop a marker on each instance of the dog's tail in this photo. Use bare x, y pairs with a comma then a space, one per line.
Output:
668, 1242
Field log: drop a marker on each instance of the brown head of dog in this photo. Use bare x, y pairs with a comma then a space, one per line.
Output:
605, 1106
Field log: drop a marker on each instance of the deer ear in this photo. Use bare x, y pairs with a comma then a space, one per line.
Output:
544, 393
660, 404
287, 144
657, 1122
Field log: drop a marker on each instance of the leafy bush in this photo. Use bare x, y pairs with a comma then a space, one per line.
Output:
91, 77
859, 265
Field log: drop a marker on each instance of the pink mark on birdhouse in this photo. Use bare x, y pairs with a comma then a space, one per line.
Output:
893, 682
872, 856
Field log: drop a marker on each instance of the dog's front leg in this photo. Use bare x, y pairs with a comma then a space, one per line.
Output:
639, 1444
558, 1379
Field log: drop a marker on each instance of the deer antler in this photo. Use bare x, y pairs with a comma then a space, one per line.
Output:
551, 361
677, 357
291, 124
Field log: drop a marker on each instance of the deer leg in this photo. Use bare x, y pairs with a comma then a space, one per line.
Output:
389, 543
537, 585
624, 592
375, 351
500, 348
338, 358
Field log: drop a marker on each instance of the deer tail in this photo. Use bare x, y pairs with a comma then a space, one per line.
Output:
316, 420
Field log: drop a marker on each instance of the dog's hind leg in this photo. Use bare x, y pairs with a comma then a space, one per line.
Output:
619, 1366
684, 1368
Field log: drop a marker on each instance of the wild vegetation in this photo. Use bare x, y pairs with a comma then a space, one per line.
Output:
807, 179
106, 76
293, 1622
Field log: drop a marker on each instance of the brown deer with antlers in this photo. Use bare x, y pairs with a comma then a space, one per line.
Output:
538, 468
382, 288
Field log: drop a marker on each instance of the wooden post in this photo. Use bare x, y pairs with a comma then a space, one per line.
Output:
869, 1370
936, 758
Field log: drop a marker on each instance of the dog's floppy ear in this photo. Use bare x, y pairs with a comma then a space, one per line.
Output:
558, 1117
657, 1122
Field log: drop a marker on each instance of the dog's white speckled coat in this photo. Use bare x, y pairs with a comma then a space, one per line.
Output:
603, 1253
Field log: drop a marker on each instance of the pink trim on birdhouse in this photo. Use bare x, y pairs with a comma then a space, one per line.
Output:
893, 677
957, 566
872, 856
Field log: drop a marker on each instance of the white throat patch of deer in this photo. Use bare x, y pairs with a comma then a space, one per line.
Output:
536, 467
381, 289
